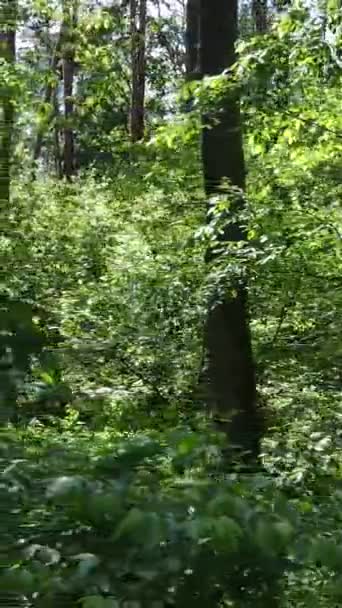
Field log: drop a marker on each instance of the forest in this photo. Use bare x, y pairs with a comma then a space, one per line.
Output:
171, 303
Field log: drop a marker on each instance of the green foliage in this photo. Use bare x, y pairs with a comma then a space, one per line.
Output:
124, 299
130, 529
100, 338
20, 338
29, 369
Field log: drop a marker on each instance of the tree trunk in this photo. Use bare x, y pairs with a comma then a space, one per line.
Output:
56, 133
8, 14
228, 375
259, 11
69, 27
49, 93
192, 39
138, 16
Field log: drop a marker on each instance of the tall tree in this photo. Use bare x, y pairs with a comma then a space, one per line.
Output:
138, 14
50, 94
8, 18
56, 138
70, 16
192, 39
228, 375
259, 11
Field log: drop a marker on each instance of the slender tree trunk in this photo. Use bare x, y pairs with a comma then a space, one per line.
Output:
138, 16
8, 15
57, 146
228, 375
68, 153
192, 47
69, 27
259, 11
192, 39
49, 94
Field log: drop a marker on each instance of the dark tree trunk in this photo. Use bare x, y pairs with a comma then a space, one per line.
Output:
192, 39
138, 41
8, 15
68, 155
69, 28
57, 146
49, 95
228, 375
259, 11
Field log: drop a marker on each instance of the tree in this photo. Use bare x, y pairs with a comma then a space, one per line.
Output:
50, 95
70, 15
8, 17
228, 375
192, 39
259, 11
138, 41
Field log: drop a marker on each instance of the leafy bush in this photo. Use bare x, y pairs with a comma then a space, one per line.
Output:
125, 300
147, 524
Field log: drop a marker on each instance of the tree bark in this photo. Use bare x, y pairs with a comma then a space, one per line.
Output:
259, 12
68, 52
192, 40
228, 375
49, 93
138, 14
57, 147
8, 17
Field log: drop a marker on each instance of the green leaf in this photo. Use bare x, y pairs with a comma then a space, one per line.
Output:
45, 554
133, 520
87, 563
227, 532
323, 444
65, 487
328, 553
273, 537
17, 580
